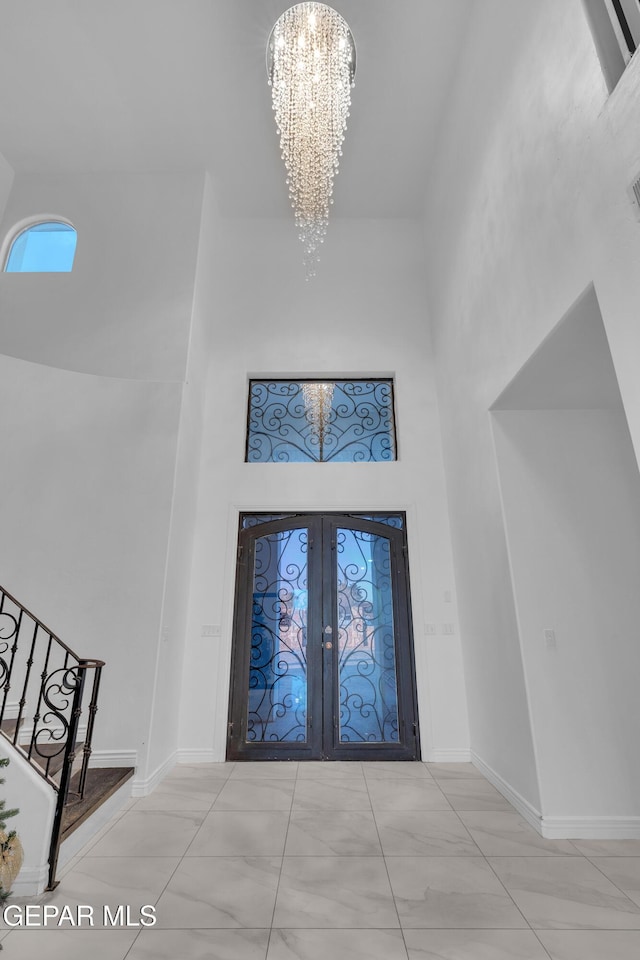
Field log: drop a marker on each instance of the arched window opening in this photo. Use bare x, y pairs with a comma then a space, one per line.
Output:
48, 246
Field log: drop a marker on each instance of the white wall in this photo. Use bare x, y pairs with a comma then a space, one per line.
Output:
364, 313
530, 205
164, 721
89, 448
125, 309
6, 181
85, 499
571, 494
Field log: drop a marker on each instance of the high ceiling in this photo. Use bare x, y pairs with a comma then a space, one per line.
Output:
176, 85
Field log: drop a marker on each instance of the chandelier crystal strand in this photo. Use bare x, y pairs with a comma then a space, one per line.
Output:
317, 402
311, 67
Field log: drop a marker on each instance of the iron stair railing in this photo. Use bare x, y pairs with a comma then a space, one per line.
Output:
45, 723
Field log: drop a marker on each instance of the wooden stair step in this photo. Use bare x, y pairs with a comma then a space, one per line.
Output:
9, 728
101, 783
53, 754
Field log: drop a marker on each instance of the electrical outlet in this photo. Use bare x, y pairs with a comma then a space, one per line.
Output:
550, 638
447, 596
210, 630
430, 629
448, 629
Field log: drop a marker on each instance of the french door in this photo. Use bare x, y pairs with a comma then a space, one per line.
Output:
323, 655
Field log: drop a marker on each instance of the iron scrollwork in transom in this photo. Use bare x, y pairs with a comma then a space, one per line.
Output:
347, 421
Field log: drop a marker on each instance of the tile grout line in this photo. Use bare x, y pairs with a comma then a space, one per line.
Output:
468, 832
602, 873
386, 867
284, 847
499, 879
534, 932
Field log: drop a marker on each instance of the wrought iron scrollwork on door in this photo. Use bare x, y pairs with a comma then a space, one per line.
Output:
277, 709
367, 643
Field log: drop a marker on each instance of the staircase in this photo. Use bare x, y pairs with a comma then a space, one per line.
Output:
51, 723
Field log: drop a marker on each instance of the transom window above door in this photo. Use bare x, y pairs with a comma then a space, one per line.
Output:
340, 421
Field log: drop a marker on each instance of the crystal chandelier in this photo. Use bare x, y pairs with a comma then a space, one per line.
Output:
317, 399
311, 63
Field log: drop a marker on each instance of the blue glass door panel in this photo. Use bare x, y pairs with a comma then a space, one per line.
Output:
367, 678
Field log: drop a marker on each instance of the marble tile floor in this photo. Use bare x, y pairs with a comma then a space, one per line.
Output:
347, 861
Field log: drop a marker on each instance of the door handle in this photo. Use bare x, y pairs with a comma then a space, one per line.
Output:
327, 645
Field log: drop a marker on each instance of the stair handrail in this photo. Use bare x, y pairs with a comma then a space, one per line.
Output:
61, 680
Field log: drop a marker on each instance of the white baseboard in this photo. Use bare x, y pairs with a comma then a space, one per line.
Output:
591, 828
452, 755
198, 755
11, 712
113, 758
58, 734
562, 828
524, 808
143, 787
30, 883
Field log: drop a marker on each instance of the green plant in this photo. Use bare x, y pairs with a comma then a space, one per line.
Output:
6, 839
